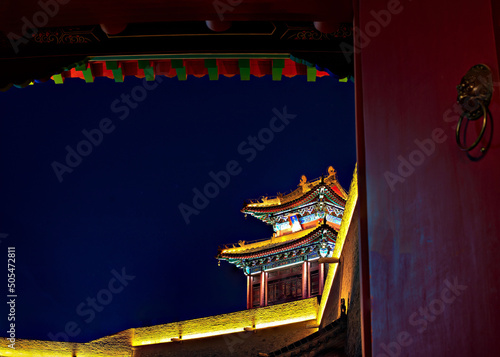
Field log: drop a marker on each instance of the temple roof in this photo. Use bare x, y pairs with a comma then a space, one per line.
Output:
278, 244
306, 191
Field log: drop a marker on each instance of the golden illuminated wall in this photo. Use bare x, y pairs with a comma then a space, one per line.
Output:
339, 244
121, 344
269, 316
117, 345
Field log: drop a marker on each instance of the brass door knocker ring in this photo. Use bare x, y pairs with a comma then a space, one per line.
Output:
463, 147
474, 95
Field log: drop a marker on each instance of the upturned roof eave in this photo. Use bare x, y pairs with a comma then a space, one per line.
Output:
248, 250
287, 205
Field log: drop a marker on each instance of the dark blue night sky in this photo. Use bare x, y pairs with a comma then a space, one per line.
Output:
118, 210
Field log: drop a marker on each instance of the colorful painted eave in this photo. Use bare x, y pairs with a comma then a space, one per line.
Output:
264, 207
280, 244
244, 67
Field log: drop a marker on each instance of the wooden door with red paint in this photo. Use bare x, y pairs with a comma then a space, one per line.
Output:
430, 222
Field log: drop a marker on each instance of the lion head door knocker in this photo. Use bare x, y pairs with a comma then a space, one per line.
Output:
474, 95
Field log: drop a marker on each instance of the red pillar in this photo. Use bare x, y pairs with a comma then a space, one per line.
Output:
321, 277
305, 280
249, 291
308, 279
263, 288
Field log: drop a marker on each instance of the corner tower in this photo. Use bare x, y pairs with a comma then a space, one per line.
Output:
305, 222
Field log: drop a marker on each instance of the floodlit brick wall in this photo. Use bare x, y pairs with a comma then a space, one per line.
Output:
235, 344
346, 285
116, 345
263, 317
154, 341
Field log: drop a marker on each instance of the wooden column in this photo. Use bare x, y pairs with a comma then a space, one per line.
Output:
308, 279
266, 274
305, 280
249, 291
321, 277
263, 288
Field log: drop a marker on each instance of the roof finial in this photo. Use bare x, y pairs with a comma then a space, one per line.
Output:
331, 171
303, 183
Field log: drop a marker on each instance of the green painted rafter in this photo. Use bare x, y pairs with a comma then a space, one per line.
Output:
244, 65
149, 72
278, 65
178, 64
58, 79
311, 74
87, 72
114, 66
213, 70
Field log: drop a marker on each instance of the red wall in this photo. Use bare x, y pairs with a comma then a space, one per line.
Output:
440, 224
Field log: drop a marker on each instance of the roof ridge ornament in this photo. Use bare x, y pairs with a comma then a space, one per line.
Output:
266, 204
332, 172
304, 184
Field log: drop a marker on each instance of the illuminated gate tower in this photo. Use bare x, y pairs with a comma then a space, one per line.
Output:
305, 222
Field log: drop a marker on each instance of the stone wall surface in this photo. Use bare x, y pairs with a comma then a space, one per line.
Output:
236, 344
346, 286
